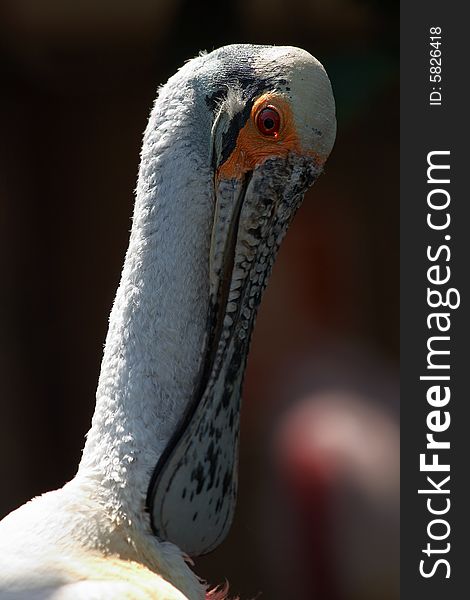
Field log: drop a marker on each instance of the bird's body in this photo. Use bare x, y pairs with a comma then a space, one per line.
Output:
63, 539
220, 179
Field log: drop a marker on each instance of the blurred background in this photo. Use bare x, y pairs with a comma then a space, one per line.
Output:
318, 507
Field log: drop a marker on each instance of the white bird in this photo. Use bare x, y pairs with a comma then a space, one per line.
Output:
233, 141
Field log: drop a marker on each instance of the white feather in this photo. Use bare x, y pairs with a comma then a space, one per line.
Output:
92, 538
146, 378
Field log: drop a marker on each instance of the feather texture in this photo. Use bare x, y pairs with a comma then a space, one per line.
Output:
93, 538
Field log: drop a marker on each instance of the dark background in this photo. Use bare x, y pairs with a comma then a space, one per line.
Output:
318, 507
426, 128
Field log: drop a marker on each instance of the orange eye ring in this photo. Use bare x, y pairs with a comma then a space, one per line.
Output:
268, 121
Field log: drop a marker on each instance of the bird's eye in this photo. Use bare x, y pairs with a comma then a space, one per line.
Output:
268, 121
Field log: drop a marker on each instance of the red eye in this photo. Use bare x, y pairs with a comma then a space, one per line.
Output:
268, 121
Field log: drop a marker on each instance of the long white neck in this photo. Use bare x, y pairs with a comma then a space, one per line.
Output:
157, 324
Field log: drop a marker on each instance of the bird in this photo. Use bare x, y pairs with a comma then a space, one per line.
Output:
233, 141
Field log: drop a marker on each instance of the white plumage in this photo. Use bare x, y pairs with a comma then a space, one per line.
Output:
93, 538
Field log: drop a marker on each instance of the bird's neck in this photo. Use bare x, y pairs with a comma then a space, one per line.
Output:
157, 324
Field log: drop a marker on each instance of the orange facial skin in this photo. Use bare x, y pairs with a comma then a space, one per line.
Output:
253, 147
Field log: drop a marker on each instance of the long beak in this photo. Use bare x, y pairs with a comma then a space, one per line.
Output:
192, 494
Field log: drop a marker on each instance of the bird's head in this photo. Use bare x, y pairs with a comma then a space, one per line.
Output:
272, 122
